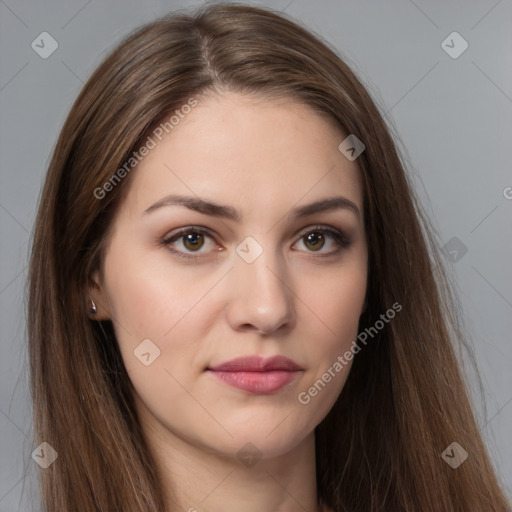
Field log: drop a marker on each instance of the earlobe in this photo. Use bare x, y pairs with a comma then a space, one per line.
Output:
93, 309
97, 303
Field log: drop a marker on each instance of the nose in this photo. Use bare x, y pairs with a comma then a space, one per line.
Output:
261, 296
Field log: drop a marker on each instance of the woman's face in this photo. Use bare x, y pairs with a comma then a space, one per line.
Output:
190, 287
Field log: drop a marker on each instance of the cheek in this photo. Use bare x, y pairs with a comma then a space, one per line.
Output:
148, 297
151, 309
155, 316
333, 310
337, 301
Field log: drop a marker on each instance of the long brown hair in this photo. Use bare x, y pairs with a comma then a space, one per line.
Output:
379, 448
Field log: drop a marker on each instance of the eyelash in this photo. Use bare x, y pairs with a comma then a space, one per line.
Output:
341, 240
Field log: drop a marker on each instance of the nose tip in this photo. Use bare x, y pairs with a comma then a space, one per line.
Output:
260, 297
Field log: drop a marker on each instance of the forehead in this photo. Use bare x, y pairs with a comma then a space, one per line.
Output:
249, 151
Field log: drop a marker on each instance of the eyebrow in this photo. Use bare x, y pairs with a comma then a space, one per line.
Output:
228, 212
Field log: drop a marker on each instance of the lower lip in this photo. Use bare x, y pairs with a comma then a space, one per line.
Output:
257, 382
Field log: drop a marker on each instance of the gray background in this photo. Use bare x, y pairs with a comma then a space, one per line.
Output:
453, 115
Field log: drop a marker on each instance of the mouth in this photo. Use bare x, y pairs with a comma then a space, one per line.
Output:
257, 375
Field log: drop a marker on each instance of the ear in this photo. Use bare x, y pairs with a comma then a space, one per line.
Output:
97, 294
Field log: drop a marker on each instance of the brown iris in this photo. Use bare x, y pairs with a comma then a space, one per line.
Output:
196, 240
317, 239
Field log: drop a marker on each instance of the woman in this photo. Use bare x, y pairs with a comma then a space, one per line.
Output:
232, 302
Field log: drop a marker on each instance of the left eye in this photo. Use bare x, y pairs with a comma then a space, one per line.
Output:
193, 239
316, 239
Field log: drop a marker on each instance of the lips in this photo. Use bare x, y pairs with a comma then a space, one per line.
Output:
256, 374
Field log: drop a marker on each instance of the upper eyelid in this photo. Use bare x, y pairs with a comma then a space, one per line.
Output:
208, 231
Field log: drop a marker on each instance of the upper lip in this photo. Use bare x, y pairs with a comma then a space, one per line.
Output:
257, 364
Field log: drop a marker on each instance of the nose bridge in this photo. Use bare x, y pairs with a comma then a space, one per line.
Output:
263, 297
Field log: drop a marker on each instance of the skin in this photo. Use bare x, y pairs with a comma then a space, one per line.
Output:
263, 157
